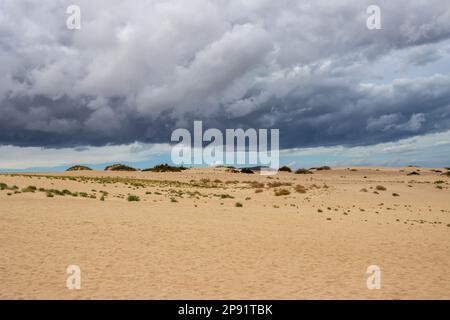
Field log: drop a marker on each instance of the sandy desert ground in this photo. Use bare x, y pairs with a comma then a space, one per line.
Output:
187, 238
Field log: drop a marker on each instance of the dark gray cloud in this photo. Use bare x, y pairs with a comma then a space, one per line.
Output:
139, 69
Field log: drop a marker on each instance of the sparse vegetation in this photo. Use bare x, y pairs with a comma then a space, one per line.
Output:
277, 184
256, 184
303, 171
165, 168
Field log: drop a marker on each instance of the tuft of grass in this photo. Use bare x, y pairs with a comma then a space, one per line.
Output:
282, 192
277, 184
395, 195
413, 173
132, 198
380, 188
238, 205
226, 196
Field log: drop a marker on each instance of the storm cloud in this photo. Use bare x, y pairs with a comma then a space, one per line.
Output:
136, 70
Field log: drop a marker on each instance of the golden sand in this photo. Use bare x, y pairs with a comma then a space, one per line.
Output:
187, 239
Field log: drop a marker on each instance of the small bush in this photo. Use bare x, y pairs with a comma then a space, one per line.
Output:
119, 167
285, 169
380, 188
79, 168
247, 171
300, 189
395, 195
323, 168
282, 192
29, 189
133, 198
303, 171
238, 205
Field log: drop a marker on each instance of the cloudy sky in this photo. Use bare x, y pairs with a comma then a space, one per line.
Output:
114, 90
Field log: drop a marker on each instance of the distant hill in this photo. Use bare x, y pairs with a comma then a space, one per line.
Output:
79, 168
119, 167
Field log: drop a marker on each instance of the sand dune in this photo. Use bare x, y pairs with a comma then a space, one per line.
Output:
187, 239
